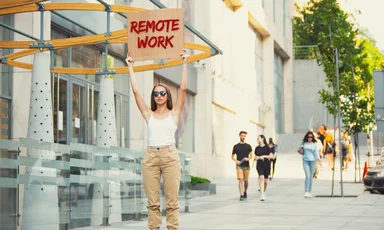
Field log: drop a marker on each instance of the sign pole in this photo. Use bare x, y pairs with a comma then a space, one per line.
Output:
339, 123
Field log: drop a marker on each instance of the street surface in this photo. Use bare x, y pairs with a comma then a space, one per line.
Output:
285, 208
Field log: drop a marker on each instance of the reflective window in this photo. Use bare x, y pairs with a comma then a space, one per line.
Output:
61, 56
86, 57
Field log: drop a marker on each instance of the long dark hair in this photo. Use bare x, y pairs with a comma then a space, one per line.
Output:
169, 96
306, 137
264, 140
271, 141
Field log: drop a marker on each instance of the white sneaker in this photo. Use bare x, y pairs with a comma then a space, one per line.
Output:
262, 198
306, 195
309, 195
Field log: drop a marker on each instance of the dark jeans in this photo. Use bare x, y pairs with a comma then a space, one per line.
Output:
273, 162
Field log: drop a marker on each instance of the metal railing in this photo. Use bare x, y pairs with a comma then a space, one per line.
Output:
308, 52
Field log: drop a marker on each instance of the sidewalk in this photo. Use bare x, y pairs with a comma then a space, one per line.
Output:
285, 208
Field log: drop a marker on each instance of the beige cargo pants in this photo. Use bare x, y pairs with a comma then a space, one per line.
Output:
163, 161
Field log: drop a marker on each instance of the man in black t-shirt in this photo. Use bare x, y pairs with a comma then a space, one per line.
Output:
243, 152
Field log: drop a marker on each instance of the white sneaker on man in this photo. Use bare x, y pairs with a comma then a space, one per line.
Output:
306, 195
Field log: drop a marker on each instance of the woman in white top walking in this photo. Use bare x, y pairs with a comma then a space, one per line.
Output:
161, 157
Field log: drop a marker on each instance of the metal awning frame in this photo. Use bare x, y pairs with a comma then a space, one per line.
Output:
42, 45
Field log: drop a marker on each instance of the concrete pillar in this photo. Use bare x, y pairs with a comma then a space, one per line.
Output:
40, 206
106, 137
106, 121
269, 89
288, 96
203, 158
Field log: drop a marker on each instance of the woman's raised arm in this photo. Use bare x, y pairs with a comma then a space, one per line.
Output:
183, 86
144, 109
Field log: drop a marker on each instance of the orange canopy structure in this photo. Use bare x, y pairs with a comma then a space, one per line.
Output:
30, 47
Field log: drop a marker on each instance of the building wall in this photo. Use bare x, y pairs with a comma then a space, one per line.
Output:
242, 95
308, 81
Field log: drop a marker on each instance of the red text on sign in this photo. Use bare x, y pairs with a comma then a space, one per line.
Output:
155, 26
155, 41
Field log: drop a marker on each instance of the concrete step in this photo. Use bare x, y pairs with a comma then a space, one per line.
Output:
288, 143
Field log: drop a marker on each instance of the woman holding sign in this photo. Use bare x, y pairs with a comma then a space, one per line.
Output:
161, 157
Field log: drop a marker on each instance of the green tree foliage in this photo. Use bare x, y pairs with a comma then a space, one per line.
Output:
358, 106
325, 24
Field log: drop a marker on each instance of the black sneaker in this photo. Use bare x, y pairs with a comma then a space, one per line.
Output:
245, 195
241, 197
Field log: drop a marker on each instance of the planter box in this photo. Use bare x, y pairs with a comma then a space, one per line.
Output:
211, 188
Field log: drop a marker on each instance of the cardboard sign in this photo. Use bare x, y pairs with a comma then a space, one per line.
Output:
155, 34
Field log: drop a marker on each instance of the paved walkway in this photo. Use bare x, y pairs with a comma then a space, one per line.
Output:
285, 208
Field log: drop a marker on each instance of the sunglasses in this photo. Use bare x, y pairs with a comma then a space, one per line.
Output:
310, 136
161, 93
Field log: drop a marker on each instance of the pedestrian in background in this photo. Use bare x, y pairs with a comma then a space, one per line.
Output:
309, 150
263, 156
273, 148
328, 148
241, 155
320, 150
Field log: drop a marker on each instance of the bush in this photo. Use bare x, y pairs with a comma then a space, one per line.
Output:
197, 180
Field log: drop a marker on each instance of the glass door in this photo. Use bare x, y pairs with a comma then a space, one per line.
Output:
60, 108
78, 108
121, 112
92, 107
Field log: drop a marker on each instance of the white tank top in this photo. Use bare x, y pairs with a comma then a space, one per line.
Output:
161, 132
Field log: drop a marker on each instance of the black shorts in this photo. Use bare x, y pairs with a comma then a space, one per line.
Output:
345, 153
264, 168
328, 149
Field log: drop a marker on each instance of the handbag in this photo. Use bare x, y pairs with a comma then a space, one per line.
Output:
301, 151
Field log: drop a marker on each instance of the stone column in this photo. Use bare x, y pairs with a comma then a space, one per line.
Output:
203, 163
106, 137
40, 206
269, 89
288, 96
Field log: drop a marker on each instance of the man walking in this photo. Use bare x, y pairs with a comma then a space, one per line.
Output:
243, 152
